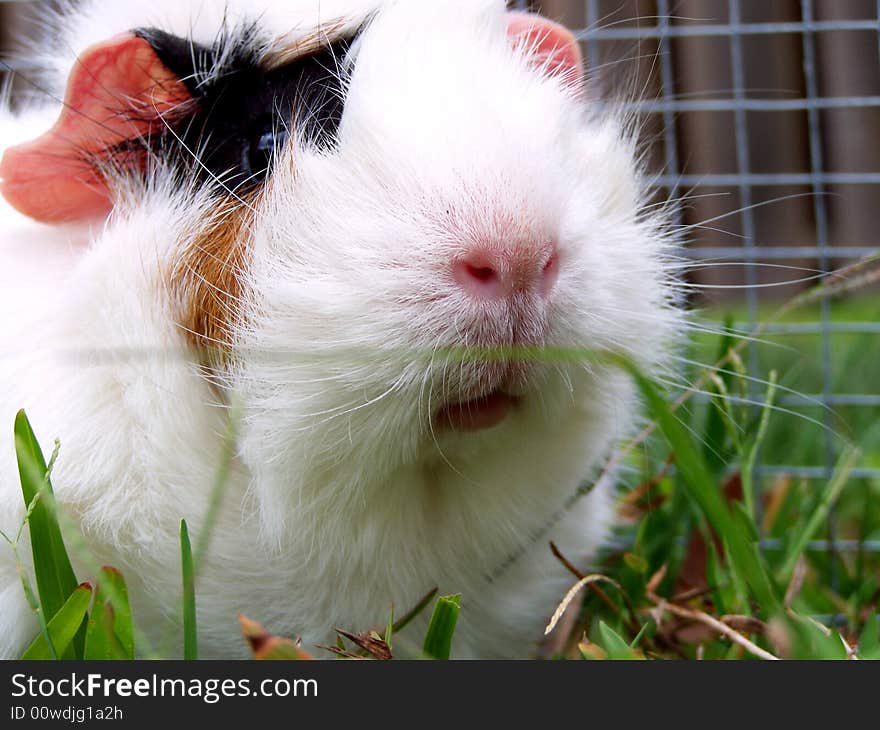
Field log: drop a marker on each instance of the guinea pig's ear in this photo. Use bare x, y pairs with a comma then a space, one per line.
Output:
553, 48
118, 93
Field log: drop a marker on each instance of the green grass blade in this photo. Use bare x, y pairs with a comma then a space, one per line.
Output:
869, 641
63, 627
751, 449
190, 631
52, 568
704, 490
34, 604
714, 577
614, 644
438, 640
746, 521
715, 429
740, 597
110, 632
643, 632
389, 629
414, 613
114, 586
812, 641
101, 641
828, 497
220, 486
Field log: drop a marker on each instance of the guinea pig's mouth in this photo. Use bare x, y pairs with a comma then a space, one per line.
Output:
478, 414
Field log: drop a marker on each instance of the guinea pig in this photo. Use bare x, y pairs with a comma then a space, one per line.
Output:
338, 273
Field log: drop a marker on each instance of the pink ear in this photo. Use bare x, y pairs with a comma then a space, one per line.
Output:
118, 91
554, 48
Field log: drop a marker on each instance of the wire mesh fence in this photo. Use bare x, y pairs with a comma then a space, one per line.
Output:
765, 119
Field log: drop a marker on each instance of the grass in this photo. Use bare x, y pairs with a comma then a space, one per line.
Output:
716, 559
754, 578
190, 624
94, 621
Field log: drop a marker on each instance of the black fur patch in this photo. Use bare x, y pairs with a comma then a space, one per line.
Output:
244, 110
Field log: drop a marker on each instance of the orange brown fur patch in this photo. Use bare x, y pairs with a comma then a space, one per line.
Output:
207, 280
207, 277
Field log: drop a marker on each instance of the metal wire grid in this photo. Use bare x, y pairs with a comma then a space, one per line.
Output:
674, 180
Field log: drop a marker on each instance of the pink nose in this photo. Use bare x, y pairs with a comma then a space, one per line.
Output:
492, 274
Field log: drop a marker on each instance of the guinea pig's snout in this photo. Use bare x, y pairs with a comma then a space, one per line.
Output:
509, 285
497, 272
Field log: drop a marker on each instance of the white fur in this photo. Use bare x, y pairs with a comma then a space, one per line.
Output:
341, 501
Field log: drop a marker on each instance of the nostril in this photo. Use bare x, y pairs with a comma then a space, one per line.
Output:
479, 278
483, 274
486, 274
